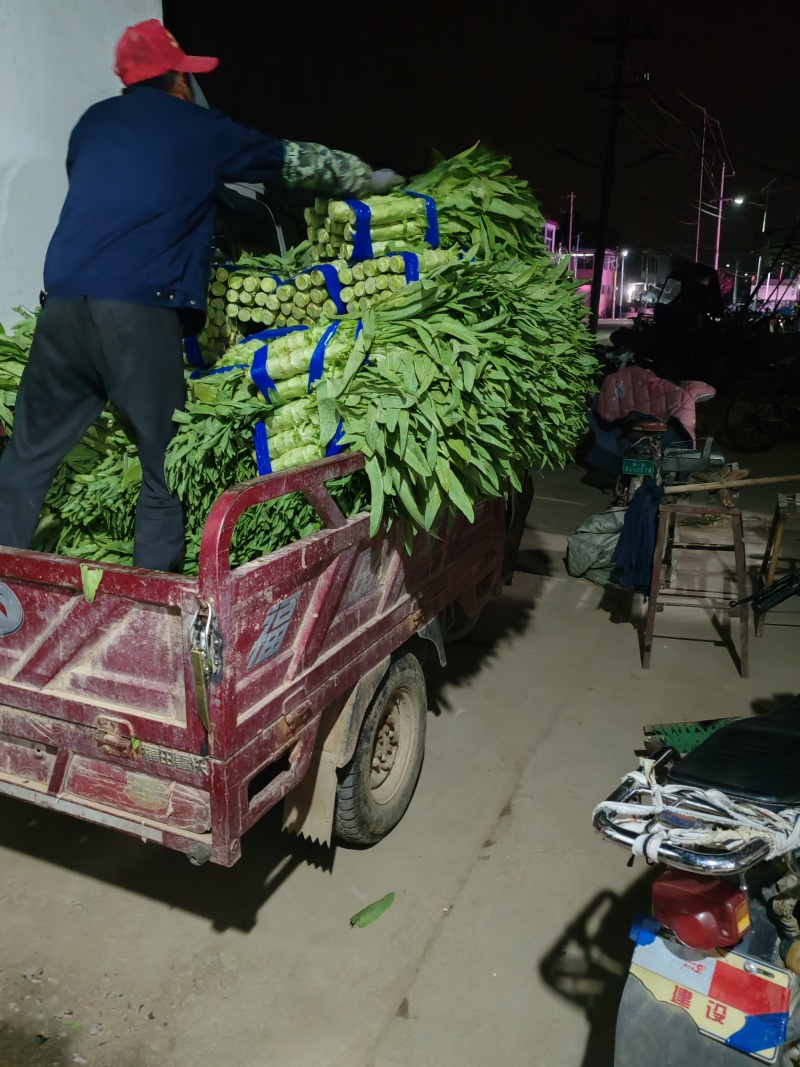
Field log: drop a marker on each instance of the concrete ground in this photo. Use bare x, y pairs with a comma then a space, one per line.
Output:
507, 942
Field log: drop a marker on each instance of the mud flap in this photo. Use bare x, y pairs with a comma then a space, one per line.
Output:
309, 808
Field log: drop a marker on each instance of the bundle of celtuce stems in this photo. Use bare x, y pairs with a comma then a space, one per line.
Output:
396, 222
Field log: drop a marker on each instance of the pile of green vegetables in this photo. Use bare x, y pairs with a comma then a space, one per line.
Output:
480, 202
454, 388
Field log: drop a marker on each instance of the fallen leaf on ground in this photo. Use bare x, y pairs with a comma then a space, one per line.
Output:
372, 911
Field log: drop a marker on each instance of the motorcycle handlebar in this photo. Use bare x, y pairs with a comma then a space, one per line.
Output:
684, 859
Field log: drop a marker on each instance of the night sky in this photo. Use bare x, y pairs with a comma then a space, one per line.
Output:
391, 81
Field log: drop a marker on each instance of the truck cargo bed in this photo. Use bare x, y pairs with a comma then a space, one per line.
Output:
182, 709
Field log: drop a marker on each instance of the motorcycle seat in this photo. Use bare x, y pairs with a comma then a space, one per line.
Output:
754, 759
646, 426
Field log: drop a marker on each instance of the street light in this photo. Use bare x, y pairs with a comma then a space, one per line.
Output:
622, 281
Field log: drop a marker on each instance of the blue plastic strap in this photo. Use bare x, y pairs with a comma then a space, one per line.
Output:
411, 260
317, 366
335, 447
432, 233
217, 370
261, 442
258, 371
271, 335
359, 328
260, 374
332, 283
194, 357
362, 239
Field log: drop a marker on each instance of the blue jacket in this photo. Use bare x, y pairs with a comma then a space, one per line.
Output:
138, 221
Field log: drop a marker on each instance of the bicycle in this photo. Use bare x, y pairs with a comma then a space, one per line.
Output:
763, 410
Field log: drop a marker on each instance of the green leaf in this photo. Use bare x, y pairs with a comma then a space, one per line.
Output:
432, 504
415, 458
402, 425
500, 207
443, 473
91, 577
372, 911
372, 429
459, 497
376, 492
328, 418
406, 494
392, 417
431, 447
468, 369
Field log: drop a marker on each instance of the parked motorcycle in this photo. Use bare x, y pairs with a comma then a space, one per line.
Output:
644, 427
714, 975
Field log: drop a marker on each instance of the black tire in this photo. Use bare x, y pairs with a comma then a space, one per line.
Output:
751, 419
371, 800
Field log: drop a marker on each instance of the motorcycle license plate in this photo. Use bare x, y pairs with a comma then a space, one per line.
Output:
639, 466
732, 998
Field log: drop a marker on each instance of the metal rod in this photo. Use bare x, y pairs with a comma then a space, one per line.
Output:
701, 487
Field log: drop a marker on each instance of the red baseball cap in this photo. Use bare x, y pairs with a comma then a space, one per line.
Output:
148, 49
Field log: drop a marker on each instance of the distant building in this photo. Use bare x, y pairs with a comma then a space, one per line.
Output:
582, 266
549, 233
776, 293
642, 286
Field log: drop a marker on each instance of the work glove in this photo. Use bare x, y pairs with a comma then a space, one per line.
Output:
383, 181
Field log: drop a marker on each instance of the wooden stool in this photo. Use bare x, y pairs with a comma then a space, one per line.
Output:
787, 513
663, 561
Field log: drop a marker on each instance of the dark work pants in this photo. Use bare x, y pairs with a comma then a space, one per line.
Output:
85, 353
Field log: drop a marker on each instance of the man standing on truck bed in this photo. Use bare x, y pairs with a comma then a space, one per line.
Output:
127, 271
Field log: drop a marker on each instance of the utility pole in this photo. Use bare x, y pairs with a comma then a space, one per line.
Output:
702, 176
719, 215
571, 221
620, 37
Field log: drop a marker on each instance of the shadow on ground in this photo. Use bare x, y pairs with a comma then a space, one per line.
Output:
32, 1046
22, 1047
588, 964
777, 700
503, 618
227, 897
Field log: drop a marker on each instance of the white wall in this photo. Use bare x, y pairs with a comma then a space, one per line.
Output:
56, 59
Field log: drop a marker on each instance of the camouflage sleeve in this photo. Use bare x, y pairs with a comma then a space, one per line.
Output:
313, 166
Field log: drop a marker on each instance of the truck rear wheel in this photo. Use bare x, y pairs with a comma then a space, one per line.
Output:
377, 784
